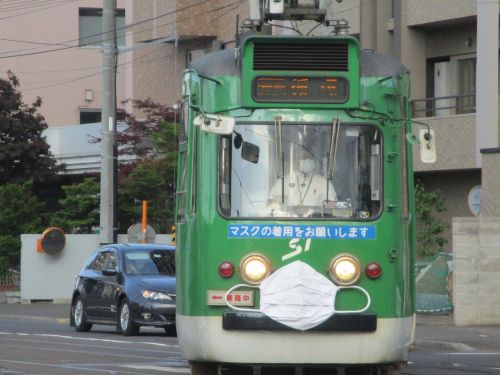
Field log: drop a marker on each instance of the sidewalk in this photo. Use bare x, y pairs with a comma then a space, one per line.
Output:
42, 311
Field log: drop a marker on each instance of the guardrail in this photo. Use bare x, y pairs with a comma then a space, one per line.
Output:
443, 106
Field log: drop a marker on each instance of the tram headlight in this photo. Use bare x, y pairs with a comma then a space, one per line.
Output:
344, 269
255, 268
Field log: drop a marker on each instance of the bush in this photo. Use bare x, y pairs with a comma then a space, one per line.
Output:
429, 226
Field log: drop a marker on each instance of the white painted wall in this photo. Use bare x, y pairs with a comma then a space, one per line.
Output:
52, 277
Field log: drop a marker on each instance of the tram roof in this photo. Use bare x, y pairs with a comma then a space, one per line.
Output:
227, 63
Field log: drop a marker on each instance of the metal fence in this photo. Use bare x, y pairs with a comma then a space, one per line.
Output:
443, 106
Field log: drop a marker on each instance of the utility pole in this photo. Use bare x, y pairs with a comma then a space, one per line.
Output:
108, 149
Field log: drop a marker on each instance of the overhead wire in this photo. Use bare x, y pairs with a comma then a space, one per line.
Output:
134, 61
63, 2
29, 4
233, 6
65, 43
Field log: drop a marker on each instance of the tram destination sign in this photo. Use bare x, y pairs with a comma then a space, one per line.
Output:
273, 89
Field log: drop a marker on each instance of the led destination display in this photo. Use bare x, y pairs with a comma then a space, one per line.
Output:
300, 89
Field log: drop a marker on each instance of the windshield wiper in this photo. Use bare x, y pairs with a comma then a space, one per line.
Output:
332, 155
280, 155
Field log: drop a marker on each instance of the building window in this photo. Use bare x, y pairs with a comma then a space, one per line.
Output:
467, 85
90, 26
90, 116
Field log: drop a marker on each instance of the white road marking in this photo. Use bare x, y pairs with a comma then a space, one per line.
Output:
102, 340
98, 370
178, 370
90, 339
472, 353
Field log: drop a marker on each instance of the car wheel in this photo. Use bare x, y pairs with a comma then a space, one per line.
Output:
79, 316
125, 324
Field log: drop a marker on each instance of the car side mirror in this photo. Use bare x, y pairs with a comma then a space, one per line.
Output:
109, 271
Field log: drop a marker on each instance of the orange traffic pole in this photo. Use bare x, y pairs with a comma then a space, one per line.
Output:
144, 220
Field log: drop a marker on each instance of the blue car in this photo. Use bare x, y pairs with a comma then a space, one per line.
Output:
127, 285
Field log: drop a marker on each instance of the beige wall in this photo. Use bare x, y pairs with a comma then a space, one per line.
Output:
451, 40
490, 206
455, 143
429, 11
59, 78
476, 266
377, 26
158, 74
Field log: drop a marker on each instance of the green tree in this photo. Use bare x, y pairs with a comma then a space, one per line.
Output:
151, 177
79, 208
21, 212
24, 151
148, 182
429, 227
147, 172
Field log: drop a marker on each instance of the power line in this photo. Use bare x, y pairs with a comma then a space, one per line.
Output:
28, 4
65, 46
64, 43
65, 2
134, 61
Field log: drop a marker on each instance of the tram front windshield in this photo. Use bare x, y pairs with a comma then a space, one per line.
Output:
301, 171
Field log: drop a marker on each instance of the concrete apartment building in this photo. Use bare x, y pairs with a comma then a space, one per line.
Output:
55, 51
451, 50
54, 48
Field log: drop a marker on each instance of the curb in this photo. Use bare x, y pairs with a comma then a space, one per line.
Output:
457, 346
36, 318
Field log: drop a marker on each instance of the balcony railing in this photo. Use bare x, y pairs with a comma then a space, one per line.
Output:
443, 106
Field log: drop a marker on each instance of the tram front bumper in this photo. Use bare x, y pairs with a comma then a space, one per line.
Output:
343, 322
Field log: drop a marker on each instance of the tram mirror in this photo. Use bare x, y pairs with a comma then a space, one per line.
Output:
427, 145
412, 138
250, 152
238, 140
215, 123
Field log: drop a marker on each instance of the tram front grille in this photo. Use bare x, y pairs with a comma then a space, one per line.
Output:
301, 56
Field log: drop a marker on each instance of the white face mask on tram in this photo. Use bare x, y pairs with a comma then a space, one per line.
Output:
299, 297
306, 165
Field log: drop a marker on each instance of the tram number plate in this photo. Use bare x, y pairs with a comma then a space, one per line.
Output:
236, 298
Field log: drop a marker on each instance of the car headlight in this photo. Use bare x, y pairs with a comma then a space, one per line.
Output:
344, 269
156, 296
255, 268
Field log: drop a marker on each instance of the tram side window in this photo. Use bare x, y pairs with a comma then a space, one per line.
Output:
301, 171
181, 187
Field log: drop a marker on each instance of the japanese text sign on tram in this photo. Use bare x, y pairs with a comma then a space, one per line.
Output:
278, 231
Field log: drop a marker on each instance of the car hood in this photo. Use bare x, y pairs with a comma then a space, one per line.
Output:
157, 283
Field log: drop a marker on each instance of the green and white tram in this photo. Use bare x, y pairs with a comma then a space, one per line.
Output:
295, 224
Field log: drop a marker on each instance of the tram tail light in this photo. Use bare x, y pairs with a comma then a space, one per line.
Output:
255, 268
373, 270
226, 269
344, 269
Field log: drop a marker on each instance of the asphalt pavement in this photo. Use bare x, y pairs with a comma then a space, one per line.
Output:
433, 330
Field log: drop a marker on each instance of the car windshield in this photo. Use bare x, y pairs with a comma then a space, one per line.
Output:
297, 170
150, 262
